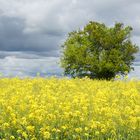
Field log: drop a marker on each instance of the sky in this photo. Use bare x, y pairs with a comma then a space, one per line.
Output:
32, 31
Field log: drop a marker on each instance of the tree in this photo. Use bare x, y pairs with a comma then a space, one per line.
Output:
98, 51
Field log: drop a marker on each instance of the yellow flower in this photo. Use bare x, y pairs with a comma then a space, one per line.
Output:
24, 134
103, 130
6, 125
30, 128
78, 130
19, 131
54, 130
86, 128
46, 135
12, 137
68, 108
97, 133
64, 127
86, 134
57, 130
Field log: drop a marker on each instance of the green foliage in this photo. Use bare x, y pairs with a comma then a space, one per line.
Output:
98, 51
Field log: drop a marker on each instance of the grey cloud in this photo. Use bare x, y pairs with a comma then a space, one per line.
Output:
12, 66
29, 54
13, 38
4, 54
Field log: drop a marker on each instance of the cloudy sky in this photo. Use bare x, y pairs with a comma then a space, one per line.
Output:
32, 31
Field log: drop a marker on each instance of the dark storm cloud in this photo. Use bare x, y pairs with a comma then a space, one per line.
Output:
39, 26
13, 37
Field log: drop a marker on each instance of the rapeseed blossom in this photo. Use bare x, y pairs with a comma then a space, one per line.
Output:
74, 109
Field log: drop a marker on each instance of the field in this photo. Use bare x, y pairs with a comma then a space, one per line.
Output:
69, 109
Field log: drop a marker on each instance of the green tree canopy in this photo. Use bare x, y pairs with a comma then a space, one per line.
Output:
98, 51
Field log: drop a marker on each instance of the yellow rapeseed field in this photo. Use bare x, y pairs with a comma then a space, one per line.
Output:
69, 109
